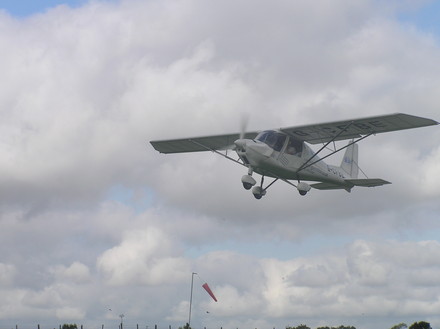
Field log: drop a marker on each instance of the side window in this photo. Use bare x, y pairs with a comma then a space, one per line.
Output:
279, 143
294, 147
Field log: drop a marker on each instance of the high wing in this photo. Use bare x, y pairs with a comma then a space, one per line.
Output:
314, 133
356, 128
198, 144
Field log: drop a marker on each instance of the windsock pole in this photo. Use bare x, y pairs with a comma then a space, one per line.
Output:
191, 299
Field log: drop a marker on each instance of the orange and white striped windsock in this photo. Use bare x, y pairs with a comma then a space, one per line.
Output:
209, 291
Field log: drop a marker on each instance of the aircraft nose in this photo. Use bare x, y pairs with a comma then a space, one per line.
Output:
240, 144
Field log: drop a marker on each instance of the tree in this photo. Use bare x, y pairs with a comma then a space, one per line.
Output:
70, 326
340, 327
400, 326
301, 326
420, 325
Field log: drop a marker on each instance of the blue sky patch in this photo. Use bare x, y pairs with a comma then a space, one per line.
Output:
23, 8
425, 18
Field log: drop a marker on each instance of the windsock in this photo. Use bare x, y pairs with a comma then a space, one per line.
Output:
209, 291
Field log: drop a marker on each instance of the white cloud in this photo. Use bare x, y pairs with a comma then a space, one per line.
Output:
70, 313
431, 174
236, 303
180, 312
7, 274
76, 273
48, 297
143, 257
365, 267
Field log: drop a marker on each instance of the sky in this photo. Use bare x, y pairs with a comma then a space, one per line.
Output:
94, 223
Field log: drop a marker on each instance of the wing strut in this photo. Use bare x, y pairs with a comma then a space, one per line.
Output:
273, 182
219, 153
307, 164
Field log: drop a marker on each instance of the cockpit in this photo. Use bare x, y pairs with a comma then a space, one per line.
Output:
273, 139
276, 141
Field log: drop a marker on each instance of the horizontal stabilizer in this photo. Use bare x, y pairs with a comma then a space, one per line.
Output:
329, 186
370, 182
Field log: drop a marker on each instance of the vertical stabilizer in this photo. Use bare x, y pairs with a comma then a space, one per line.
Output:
350, 161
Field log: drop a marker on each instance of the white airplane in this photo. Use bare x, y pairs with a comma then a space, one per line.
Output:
283, 154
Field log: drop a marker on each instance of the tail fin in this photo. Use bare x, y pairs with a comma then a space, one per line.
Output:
350, 161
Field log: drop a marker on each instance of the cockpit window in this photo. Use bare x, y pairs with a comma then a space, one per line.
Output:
273, 139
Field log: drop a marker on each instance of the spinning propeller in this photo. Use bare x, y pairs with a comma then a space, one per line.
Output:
240, 143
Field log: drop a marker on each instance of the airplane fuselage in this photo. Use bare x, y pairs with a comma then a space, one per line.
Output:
283, 157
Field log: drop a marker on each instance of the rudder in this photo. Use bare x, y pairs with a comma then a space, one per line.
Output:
350, 161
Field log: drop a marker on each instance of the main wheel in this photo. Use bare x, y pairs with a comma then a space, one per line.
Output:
247, 186
258, 192
303, 188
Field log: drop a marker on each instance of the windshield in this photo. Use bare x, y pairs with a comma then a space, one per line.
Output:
273, 139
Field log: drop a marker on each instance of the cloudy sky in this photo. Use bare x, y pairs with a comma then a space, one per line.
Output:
94, 223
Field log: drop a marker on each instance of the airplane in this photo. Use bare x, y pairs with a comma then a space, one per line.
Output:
284, 154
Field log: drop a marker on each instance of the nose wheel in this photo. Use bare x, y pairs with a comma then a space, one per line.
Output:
248, 181
258, 191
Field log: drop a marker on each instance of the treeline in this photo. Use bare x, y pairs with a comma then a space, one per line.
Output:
415, 325
303, 326
75, 326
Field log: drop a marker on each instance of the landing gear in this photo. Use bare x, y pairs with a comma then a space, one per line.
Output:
258, 192
248, 181
303, 188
